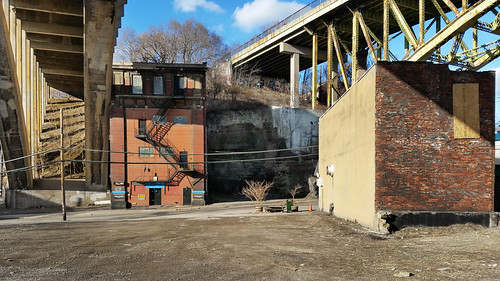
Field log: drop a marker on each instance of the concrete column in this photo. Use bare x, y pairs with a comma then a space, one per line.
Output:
314, 83
329, 52
18, 51
99, 28
361, 62
355, 48
333, 65
385, 40
12, 29
22, 60
13, 135
294, 80
31, 98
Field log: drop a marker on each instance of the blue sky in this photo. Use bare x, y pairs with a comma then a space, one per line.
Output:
236, 21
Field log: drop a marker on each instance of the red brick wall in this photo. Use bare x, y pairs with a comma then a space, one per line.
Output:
116, 141
420, 166
190, 138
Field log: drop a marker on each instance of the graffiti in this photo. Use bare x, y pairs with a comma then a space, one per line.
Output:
56, 94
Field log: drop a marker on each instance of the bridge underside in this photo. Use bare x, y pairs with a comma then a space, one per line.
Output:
61, 44
352, 35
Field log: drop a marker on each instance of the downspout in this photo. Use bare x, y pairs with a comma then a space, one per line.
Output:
205, 157
128, 187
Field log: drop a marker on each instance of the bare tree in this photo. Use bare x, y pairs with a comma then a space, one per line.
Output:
175, 42
306, 80
194, 42
157, 45
293, 191
127, 47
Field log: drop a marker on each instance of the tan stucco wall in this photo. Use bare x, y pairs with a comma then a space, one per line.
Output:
347, 140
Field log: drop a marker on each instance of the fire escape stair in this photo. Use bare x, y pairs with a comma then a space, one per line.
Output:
155, 136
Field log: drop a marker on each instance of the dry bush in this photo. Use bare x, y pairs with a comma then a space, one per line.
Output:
256, 191
295, 190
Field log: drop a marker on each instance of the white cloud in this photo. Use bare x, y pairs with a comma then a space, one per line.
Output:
192, 5
218, 28
259, 13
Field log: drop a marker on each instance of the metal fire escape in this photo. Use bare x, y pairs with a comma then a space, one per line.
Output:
155, 135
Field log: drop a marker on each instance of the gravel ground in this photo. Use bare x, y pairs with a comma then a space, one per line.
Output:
162, 245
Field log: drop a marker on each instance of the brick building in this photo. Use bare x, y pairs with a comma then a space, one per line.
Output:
409, 144
158, 118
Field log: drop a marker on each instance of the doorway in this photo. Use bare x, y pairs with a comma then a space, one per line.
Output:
154, 196
186, 196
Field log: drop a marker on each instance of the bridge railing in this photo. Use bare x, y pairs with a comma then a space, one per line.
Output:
280, 24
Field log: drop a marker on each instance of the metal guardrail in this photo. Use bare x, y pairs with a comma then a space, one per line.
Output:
279, 25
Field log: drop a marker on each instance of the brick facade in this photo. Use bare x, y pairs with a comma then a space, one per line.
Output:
164, 162
420, 164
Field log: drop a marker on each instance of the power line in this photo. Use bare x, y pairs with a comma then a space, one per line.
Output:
204, 154
155, 163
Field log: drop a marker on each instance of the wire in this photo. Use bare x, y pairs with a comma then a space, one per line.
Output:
194, 163
280, 158
197, 154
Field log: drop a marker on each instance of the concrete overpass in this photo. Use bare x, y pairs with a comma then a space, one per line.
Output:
64, 44
352, 34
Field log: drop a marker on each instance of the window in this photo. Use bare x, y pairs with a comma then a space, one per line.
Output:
466, 110
142, 127
179, 86
167, 151
180, 120
158, 85
183, 158
160, 119
137, 84
197, 85
146, 152
118, 78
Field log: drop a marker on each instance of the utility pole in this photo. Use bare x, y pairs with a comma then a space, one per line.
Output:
63, 192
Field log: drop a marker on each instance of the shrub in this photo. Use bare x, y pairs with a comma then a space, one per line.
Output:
293, 191
256, 191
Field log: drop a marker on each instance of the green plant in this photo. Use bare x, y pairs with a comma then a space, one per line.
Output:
256, 191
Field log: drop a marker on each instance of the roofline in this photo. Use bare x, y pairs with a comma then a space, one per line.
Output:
155, 66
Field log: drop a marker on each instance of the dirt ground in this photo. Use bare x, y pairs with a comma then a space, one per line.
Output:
281, 246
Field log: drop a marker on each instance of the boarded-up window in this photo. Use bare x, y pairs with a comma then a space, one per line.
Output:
126, 78
180, 120
466, 110
137, 84
197, 85
118, 78
146, 152
158, 85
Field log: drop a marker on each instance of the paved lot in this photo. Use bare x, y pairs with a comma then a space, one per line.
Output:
231, 242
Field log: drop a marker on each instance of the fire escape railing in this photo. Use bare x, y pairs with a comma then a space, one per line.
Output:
155, 134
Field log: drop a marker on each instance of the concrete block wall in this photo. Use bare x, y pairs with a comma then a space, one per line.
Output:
420, 165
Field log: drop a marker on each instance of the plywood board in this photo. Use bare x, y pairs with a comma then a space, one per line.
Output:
466, 110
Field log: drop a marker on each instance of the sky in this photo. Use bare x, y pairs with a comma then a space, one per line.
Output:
236, 21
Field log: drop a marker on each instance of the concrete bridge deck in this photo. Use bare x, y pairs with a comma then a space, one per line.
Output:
352, 34
63, 44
